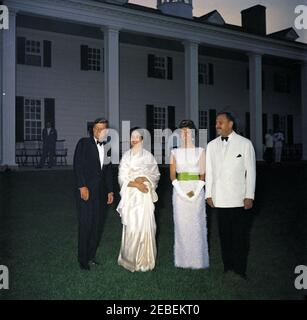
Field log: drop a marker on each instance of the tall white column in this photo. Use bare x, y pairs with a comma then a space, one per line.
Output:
304, 107
191, 81
111, 75
1, 95
255, 102
9, 91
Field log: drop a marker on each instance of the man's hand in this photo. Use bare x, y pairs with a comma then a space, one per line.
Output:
248, 204
142, 187
84, 193
210, 202
110, 198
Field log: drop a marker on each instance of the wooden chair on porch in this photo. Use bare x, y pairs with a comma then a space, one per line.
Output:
61, 153
32, 152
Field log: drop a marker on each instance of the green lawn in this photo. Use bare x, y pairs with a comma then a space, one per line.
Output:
38, 232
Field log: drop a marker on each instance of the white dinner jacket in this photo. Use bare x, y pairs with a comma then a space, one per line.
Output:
230, 175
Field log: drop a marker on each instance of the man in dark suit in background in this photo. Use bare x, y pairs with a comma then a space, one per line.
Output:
94, 190
49, 136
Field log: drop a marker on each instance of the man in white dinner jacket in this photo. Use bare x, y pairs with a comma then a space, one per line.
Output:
230, 189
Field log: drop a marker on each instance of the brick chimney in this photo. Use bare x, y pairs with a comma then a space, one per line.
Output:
254, 19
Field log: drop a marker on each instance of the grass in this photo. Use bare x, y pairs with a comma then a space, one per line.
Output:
38, 232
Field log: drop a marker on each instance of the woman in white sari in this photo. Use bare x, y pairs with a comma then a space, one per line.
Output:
187, 172
138, 178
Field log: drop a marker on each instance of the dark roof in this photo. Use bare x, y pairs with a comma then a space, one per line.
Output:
201, 19
196, 19
141, 8
206, 17
284, 34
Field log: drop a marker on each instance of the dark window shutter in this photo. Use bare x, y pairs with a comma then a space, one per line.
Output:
264, 126
151, 65
290, 135
212, 121
50, 111
150, 122
211, 73
19, 119
169, 68
47, 54
247, 79
84, 57
200, 78
263, 80
275, 122
171, 117
247, 125
150, 117
21, 50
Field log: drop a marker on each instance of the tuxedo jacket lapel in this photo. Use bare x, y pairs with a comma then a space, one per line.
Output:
229, 149
96, 153
227, 153
232, 151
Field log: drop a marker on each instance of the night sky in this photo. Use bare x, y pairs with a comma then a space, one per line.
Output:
280, 13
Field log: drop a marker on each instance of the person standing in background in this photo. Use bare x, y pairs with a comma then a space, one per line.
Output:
269, 147
49, 136
278, 145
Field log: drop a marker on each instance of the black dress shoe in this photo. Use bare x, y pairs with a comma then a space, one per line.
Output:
242, 275
85, 267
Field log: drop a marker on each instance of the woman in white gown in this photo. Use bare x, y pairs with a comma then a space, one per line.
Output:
187, 172
138, 178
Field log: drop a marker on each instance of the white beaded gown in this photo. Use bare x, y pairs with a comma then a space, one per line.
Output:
190, 222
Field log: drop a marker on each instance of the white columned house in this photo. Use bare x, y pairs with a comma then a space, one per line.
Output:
9, 91
255, 102
43, 20
191, 80
111, 74
304, 107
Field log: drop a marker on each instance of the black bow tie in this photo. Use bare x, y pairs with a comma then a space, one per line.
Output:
225, 138
101, 143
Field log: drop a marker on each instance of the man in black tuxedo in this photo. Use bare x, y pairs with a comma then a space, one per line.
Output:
49, 136
94, 190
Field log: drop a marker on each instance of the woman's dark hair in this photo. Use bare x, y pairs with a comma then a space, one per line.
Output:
229, 117
187, 124
138, 130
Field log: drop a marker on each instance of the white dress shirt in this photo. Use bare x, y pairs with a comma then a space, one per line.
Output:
269, 140
225, 143
101, 152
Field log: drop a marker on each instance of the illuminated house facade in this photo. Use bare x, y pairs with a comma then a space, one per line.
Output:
71, 61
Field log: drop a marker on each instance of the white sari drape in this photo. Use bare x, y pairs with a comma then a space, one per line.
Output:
138, 247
